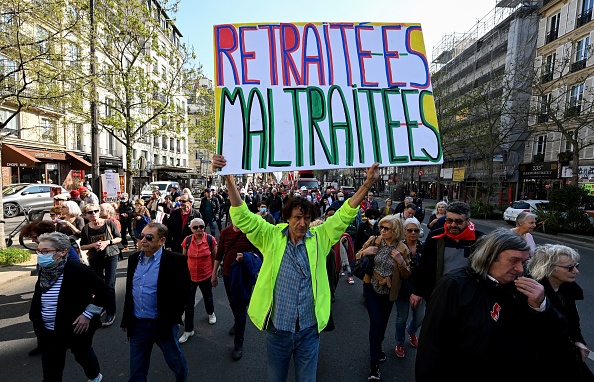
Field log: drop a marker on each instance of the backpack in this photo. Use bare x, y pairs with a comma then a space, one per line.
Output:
188, 241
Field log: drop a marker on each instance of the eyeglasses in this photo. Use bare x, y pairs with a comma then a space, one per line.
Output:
411, 230
198, 226
384, 228
569, 267
52, 215
46, 251
457, 221
185, 201
148, 236
92, 212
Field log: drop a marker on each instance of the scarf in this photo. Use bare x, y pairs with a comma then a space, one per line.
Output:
467, 234
49, 276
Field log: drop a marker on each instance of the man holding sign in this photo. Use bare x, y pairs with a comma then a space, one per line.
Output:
283, 302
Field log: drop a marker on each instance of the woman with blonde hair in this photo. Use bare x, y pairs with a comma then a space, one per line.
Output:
388, 209
438, 213
391, 265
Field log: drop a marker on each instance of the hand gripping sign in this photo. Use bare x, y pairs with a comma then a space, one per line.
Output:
298, 96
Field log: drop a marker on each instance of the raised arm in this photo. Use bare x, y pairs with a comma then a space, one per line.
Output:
218, 162
372, 177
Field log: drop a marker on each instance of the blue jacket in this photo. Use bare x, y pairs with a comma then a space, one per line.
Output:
243, 276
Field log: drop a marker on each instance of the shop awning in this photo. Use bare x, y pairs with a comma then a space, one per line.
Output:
13, 156
78, 163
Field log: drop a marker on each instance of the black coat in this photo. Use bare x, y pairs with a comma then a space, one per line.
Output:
173, 289
81, 286
177, 233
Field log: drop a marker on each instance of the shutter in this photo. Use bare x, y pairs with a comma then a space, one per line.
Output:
563, 20
571, 16
542, 32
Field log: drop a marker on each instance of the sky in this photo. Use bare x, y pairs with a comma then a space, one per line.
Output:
438, 18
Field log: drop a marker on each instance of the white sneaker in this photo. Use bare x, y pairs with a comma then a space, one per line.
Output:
96, 379
212, 319
185, 336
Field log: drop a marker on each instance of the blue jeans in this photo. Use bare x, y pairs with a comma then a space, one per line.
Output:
239, 309
379, 308
212, 223
303, 345
206, 289
402, 309
146, 333
276, 216
106, 268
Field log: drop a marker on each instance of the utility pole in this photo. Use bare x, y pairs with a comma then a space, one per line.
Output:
96, 176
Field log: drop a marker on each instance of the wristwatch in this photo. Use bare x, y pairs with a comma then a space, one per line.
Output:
110, 242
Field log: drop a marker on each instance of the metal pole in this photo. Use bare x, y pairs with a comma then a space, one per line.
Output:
95, 183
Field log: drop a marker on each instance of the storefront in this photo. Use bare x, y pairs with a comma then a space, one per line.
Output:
538, 179
181, 175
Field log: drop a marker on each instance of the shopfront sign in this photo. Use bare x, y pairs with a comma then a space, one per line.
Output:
584, 172
545, 170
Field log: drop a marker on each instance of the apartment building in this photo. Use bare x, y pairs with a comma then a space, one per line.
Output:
50, 139
479, 83
563, 127
200, 154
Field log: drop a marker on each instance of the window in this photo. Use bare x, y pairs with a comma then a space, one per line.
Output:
567, 146
109, 107
586, 15
164, 160
540, 144
549, 67
72, 54
78, 136
171, 141
48, 130
12, 127
197, 156
553, 28
42, 40
581, 54
171, 161
545, 106
8, 74
576, 95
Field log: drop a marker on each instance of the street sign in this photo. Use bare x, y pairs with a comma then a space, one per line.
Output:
421, 172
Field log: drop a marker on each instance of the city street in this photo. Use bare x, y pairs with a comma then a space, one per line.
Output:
343, 352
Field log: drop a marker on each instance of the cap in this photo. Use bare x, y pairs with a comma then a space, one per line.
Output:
82, 188
64, 196
74, 194
207, 190
303, 188
242, 191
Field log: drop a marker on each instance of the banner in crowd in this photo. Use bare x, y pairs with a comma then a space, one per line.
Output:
299, 96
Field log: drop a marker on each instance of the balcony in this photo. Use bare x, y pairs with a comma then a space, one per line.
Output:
573, 111
543, 117
578, 65
584, 18
546, 77
552, 36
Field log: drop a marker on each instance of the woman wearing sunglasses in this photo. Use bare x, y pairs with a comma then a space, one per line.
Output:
99, 237
200, 249
391, 265
412, 232
556, 268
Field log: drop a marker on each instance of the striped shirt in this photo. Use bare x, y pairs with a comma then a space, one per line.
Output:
49, 304
293, 294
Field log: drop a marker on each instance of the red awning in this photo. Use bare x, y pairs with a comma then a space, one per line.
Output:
13, 156
78, 163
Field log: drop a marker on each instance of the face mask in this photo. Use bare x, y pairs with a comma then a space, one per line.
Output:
372, 221
263, 209
340, 198
45, 261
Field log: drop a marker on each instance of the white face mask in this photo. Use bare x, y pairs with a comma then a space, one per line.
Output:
372, 221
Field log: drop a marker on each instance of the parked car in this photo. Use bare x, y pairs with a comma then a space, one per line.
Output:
532, 205
164, 188
18, 196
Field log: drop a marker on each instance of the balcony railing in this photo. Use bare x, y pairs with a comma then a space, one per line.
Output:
543, 117
552, 35
546, 77
578, 65
584, 18
573, 111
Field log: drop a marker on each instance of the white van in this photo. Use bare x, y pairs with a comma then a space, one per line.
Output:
163, 187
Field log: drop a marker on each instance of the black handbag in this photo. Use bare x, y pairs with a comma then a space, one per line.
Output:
363, 266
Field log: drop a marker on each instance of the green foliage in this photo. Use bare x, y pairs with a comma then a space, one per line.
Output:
568, 198
10, 256
563, 213
481, 209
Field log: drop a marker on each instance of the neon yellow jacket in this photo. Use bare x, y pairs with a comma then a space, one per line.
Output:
270, 240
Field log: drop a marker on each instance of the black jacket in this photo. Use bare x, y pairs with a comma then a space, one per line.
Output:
216, 207
430, 268
80, 287
173, 289
177, 233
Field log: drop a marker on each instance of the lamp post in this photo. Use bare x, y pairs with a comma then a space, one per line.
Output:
94, 127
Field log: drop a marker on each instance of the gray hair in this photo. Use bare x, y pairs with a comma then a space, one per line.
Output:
197, 220
543, 262
58, 240
73, 208
107, 207
397, 226
412, 221
459, 208
161, 229
442, 203
409, 199
522, 216
490, 246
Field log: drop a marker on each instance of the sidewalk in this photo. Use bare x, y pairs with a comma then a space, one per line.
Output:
12, 273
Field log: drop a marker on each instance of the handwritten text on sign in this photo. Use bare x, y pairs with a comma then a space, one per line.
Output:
322, 96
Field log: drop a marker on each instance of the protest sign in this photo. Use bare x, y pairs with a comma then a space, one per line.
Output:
299, 96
